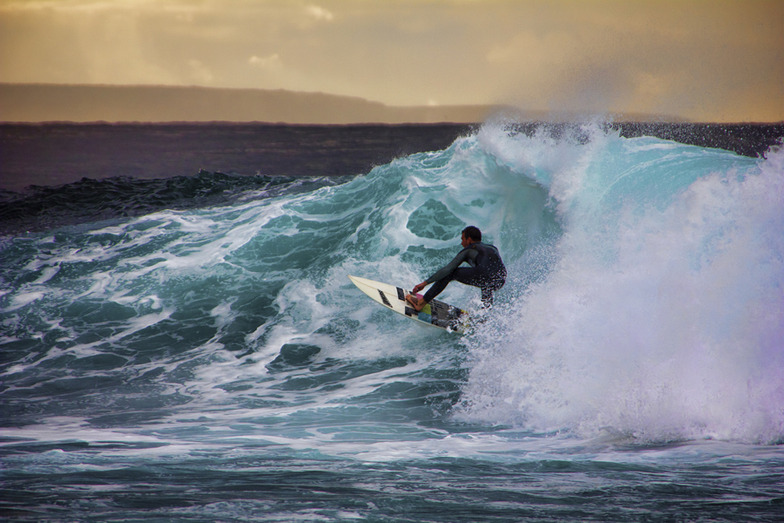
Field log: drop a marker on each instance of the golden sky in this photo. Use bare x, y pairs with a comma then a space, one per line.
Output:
711, 60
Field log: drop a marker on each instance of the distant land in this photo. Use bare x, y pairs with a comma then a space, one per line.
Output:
36, 103
152, 104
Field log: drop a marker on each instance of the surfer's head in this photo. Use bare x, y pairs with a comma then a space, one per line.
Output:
472, 233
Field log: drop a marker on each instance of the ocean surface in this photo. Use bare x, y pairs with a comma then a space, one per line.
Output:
189, 347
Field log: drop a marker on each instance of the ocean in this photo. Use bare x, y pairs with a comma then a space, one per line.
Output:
188, 347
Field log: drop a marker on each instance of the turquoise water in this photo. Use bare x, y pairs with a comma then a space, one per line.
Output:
215, 363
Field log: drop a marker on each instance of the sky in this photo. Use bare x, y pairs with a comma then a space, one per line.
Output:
712, 60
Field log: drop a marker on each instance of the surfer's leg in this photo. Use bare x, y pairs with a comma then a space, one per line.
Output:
465, 275
419, 303
495, 283
487, 297
469, 276
437, 288
478, 277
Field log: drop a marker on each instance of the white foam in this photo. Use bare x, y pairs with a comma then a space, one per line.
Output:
22, 299
671, 329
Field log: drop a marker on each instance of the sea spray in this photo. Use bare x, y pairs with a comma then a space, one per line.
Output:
662, 315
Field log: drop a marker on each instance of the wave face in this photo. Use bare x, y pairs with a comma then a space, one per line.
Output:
644, 307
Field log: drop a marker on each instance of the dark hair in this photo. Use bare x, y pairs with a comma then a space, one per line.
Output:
473, 233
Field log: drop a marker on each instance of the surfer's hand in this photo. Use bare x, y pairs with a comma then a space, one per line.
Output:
419, 286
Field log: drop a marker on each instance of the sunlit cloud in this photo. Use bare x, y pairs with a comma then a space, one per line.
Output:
270, 62
319, 13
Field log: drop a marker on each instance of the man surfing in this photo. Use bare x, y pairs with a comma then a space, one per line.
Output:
486, 271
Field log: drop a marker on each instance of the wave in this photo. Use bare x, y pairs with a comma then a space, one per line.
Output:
644, 296
39, 208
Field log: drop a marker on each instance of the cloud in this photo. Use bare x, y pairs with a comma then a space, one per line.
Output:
271, 62
319, 13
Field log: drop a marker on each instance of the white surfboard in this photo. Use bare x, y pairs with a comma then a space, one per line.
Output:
436, 313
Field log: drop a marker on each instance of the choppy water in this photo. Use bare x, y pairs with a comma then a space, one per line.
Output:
215, 363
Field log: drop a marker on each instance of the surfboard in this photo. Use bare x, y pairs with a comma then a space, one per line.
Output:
436, 313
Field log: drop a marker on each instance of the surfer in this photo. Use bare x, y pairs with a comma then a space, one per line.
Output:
486, 271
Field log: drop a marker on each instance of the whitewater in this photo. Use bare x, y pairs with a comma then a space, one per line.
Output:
215, 363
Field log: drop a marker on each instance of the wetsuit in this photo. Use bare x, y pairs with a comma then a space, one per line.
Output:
487, 272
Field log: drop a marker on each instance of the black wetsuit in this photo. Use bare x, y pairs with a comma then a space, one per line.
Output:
487, 272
